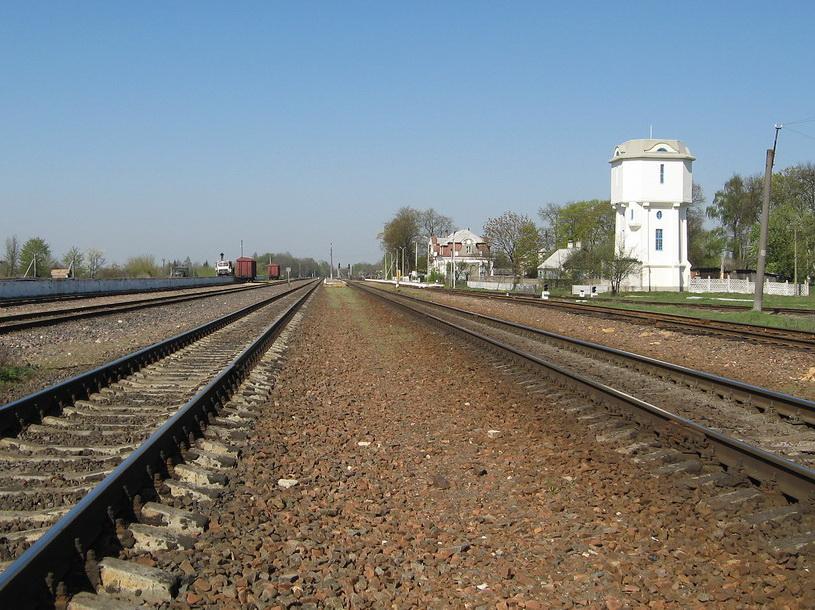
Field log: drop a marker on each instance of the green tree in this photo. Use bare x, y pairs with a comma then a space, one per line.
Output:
517, 238
737, 207
35, 258
402, 231
142, 266
792, 223
591, 223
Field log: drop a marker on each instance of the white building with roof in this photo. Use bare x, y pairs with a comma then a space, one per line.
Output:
551, 267
651, 186
468, 252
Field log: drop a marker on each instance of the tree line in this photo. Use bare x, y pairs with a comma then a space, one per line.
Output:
518, 244
34, 258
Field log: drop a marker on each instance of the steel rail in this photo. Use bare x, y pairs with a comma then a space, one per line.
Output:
14, 416
771, 470
778, 336
763, 399
34, 319
58, 298
704, 306
30, 582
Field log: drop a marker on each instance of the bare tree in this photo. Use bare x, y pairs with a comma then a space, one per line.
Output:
96, 261
432, 223
73, 259
12, 255
620, 266
517, 238
551, 233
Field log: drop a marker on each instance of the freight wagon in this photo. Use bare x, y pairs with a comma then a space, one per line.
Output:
246, 268
273, 271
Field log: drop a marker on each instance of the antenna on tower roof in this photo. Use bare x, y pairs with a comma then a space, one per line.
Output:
651, 132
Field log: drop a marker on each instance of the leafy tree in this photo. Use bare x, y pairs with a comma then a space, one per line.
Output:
96, 261
517, 238
402, 231
12, 256
74, 259
589, 222
142, 266
36, 249
737, 207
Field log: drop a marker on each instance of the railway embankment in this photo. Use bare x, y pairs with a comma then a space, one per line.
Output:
395, 463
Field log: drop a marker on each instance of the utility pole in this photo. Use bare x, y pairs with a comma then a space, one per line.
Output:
332, 259
758, 299
795, 256
241, 248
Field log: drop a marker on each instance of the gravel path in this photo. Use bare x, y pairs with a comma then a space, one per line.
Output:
425, 479
771, 367
64, 350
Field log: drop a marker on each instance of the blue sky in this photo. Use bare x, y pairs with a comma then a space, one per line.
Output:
180, 128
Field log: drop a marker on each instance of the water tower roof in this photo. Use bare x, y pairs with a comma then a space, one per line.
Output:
651, 149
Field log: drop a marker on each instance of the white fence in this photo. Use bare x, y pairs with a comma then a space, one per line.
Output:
698, 284
506, 286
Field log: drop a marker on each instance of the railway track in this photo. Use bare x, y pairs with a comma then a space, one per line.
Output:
33, 319
59, 298
794, 339
77, 458
714, 430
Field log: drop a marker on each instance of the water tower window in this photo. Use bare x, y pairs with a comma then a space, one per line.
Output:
659, 215
662, 173
658, 244
662, 149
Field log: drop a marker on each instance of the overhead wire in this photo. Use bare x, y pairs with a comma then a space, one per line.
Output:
800, 133
809, 120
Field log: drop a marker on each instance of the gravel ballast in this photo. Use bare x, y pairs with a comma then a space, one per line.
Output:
61, 351
394, 467
777, 368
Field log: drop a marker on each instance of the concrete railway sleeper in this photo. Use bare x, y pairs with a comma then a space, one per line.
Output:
64, 480
759, 487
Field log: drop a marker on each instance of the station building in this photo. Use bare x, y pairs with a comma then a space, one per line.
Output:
469, 252
651, 187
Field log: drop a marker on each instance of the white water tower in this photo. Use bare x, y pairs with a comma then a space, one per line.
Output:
651, 187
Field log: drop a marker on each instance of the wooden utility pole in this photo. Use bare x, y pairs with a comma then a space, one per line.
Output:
758, 299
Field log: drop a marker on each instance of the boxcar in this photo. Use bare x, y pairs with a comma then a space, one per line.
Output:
273, 271
246, 268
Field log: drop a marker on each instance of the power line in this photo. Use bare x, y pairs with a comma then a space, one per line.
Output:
809, 120
800, 133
